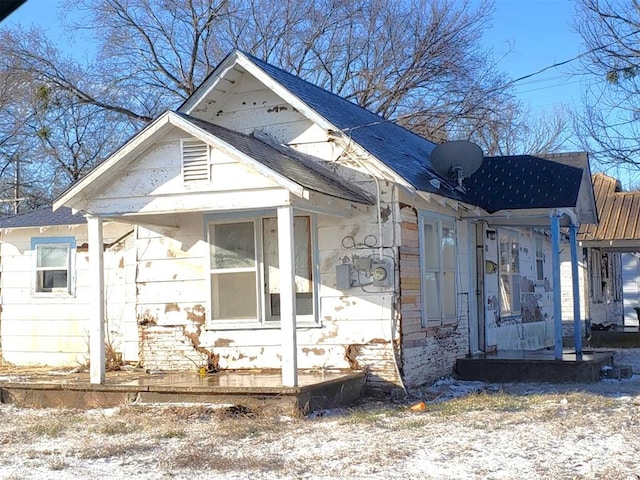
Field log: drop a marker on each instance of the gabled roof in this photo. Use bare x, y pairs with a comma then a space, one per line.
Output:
402, 151
293, 174
502, 183
289, 163
522, 182
43, 217
619, 212
408, 154
586, 207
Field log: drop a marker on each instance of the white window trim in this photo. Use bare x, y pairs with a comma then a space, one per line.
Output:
262, 321
438, 220
68, 242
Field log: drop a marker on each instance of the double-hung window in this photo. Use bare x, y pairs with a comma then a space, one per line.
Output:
245, 274
438, 270
52, 265
509, 280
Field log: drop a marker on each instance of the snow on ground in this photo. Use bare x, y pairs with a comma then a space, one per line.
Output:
469, 430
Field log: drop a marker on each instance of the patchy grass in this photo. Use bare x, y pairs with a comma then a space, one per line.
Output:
53, 427
118, 427
57, 464
207, 458
364, 415
172, 433
498, 402
110, 450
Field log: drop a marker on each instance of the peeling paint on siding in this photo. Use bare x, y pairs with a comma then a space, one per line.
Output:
314, 351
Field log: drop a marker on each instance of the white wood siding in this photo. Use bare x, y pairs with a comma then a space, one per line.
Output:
53, 329
250, 106
154, 184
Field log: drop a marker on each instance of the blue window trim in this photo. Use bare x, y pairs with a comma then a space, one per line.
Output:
71, 243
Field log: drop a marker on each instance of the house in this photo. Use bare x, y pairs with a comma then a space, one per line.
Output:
279, 226
611, 249
44, 288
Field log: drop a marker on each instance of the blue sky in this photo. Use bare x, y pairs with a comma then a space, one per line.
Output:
529, 35
525, 37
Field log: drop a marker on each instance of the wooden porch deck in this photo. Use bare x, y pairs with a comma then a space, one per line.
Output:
249, 389
534, 366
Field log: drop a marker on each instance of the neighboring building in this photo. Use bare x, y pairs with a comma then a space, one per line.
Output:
44, 288
611, 249
264, 195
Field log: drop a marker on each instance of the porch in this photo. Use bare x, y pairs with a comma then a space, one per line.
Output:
244, 390
534, 366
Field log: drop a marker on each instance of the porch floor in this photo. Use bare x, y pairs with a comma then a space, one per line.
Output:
534, 366
250, 389
623, 337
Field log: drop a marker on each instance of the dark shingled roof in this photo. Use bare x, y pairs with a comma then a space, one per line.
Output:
42, 217
287, 162
401, 150
523, 181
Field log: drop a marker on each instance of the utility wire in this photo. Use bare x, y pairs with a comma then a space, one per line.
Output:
508, 84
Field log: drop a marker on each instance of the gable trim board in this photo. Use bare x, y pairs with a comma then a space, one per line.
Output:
76, 196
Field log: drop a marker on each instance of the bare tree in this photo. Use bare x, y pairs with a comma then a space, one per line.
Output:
608, 125
418, 62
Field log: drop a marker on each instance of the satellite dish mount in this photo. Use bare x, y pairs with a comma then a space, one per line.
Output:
457, 160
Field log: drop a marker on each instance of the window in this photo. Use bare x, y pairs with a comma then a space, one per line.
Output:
539, 260
438, 262
508, 251
596, 276
52, 261
244, 272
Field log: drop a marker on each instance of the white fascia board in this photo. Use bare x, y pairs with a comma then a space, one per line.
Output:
104, 171
243, 158
209, 84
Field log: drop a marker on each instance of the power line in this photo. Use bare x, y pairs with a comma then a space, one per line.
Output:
572, 59
508, 84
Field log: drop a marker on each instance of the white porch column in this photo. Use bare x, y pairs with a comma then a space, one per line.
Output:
577, 327
557, 294
287, 265
96, 316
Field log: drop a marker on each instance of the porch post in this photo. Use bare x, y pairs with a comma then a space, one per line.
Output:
96, 305
287, 265
577, 329
557, 294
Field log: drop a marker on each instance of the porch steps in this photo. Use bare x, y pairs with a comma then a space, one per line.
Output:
534, 366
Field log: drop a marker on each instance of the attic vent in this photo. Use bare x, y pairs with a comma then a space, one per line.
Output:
195, 161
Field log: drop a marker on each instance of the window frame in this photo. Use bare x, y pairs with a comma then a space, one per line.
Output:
264, 318
43, 242
597, 287
439, 270
515, 309
539, 252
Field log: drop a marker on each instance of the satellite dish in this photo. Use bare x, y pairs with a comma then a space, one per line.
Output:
456, 160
